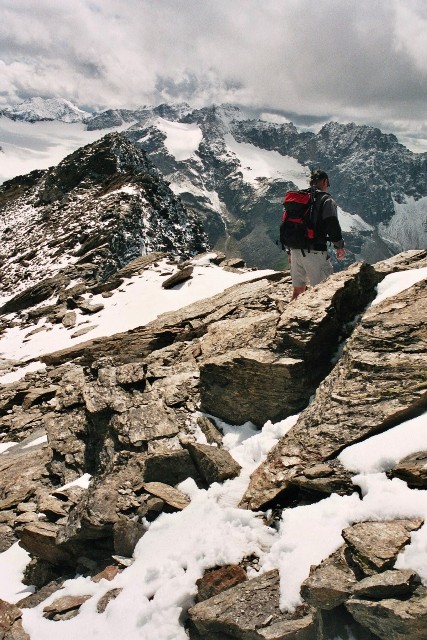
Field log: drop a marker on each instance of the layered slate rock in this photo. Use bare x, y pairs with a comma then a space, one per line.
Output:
378, 383
10, 622
374, 546
413, 470
250, 611
393, 619
275, 376
393, 583
331, 583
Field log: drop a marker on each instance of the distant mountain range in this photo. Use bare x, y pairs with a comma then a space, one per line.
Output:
232, 170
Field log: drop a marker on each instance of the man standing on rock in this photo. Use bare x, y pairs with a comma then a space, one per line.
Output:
308, 257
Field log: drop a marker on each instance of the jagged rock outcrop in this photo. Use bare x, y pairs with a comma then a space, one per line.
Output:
124, 409
377, 383
250, 610
100, 208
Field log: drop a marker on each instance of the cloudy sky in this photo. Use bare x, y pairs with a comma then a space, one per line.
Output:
311, 60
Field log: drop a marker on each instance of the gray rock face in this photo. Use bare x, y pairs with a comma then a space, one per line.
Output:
288, 355
251, 610
377, 383
413, 470
109, 187
393, 619
374, 546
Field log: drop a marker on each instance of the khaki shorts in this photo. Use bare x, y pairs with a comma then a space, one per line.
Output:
311, 268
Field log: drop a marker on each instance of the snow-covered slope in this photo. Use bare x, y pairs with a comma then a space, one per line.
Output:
102, 206
38, 109
234, 171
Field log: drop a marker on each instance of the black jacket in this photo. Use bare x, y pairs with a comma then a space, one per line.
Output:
327, 224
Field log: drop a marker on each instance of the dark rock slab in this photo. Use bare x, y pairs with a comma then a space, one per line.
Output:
413, 470
10, 622
210, 430
171, 496
252, 385
219, 580
39, 539
374, 546
330, 583
64, 605
251, 611
377, 383
170, 467
213, 464
90, 307
177, 278
126, 535
394, 583
393, 619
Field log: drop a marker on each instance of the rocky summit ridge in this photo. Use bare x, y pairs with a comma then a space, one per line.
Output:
101, 207
128, 411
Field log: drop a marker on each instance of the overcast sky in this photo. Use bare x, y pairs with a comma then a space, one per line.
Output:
346, 60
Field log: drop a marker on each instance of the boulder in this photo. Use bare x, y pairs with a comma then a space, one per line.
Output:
329, 584
413, 470
393, 583
374, 546
10, 622
250, 611
173, 497
88, 307
392, 618
210, 430
213, 464
219, 580
177, 278
170, 467
39, 539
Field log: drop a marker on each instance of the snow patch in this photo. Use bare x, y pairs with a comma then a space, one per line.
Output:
259, 163
182, 139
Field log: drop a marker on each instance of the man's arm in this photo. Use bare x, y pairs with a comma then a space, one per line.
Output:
332, 227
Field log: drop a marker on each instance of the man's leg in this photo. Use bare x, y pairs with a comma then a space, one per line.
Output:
297, 292
298, 274
318, 267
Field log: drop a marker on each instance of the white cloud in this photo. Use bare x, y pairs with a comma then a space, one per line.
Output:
342, 60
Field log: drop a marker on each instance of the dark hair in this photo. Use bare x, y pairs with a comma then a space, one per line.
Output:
318, 175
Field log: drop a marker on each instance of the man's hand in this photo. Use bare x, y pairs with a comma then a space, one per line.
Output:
340, 253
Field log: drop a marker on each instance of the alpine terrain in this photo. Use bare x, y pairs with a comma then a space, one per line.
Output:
233, 169
186, 454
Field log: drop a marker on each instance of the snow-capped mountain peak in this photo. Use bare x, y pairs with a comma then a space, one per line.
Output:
38, 109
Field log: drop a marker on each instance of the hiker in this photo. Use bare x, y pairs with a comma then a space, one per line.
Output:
306, 247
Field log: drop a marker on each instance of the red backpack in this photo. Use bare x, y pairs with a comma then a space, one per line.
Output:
299, 219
